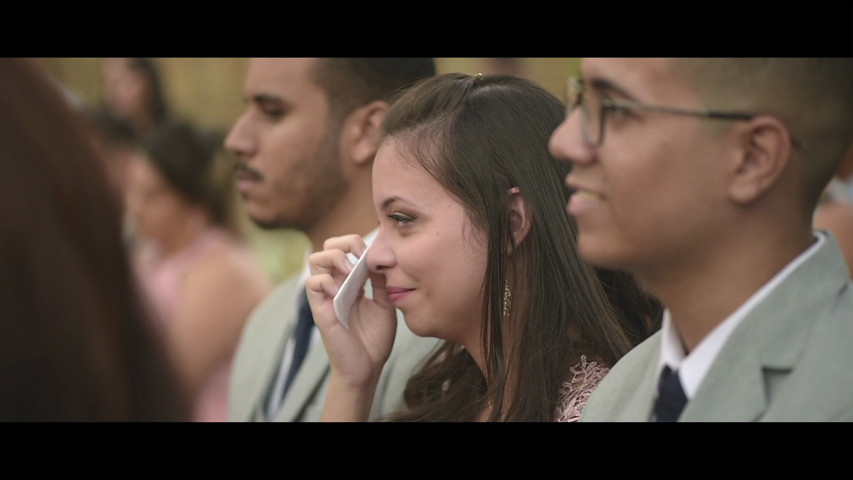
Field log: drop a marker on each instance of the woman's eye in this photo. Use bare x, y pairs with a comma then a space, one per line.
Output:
401, 219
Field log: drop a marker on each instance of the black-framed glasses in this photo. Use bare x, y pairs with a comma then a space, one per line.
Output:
594, 112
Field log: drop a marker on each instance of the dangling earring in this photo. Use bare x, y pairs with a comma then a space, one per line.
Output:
507, 299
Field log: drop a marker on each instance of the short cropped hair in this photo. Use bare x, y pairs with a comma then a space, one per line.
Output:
352, 82
813, 97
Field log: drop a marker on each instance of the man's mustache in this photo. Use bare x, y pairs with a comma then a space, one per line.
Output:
242, 170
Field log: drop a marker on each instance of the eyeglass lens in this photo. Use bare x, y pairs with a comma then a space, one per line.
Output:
591, 121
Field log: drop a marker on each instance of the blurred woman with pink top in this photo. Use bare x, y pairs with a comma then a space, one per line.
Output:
201, 279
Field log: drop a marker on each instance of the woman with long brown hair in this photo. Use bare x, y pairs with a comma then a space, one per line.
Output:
475, 247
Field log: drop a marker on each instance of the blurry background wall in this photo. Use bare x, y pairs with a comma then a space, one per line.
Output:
208, 92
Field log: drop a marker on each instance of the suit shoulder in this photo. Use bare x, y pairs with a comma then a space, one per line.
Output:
819, 386
264, 320
843, 309
832, 333
274, 303
621, 384
639, 356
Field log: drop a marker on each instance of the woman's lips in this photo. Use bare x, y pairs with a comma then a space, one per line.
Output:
396, 294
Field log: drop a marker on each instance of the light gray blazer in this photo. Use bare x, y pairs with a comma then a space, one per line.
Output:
259, 354
791, 359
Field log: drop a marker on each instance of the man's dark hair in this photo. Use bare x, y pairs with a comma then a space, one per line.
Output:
352, 82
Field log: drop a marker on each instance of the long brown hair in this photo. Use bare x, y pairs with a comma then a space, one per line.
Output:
78, 345
480, 136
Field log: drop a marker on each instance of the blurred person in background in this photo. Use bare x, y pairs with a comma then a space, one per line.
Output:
116, 141
519, 67
79, 345
834, 211
200, 276
133, 91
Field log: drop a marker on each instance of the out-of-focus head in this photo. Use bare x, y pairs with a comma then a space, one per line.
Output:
300, 142
845, 168
132, 90
53, 179
506, 65
115, 140
172, 179
79, 345
654, 141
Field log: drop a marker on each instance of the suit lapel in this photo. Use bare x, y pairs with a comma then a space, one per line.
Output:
768, 341
646, 390
733, 390
269, 353
311, 375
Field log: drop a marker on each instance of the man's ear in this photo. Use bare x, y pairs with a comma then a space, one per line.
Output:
520, 215
360, 132
765, 151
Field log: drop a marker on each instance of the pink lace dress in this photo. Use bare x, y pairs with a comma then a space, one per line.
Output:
575, 392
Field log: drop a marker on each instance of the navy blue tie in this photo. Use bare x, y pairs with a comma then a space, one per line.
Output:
671, 398
304, 328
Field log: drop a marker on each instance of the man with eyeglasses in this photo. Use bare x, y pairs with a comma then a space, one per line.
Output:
701, 176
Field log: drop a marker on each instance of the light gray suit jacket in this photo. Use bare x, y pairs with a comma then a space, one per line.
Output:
791, 359
260, 351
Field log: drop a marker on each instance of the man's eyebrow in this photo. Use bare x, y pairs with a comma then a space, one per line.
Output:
265, 98
604, 85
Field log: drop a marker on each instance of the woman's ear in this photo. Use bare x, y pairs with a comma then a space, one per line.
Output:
520, 215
